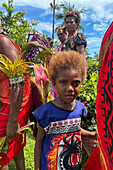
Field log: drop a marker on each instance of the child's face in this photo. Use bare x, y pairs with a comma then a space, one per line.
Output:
68, 84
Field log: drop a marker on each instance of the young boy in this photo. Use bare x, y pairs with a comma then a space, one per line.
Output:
58, 143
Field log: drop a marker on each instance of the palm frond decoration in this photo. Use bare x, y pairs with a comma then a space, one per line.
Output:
15, 71
2, 142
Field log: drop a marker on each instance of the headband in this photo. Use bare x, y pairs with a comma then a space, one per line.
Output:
72, 13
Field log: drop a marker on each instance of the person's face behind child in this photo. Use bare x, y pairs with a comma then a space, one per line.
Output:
68, 84
62, 36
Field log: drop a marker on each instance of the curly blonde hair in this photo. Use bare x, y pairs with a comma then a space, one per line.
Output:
64, 60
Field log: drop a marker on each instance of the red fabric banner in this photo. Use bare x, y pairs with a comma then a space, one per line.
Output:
102, 156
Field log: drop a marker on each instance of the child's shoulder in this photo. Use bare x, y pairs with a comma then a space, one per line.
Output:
42, 113
44, 106
79, 103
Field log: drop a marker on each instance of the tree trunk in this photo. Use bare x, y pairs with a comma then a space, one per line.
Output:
53, 19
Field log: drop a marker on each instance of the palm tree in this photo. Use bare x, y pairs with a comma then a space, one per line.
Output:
52, 8
67, 7
0, 24
63, 8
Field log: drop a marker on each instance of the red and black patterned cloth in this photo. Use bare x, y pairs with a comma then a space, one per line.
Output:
102, 156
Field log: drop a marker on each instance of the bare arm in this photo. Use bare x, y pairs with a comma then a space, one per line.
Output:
38, 147
81, 49
16, 97
8, 49
88, 134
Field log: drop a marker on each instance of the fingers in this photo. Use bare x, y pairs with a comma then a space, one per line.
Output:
12, 136
12, 130
18, 85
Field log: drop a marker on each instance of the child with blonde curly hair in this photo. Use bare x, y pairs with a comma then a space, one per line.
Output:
58, 144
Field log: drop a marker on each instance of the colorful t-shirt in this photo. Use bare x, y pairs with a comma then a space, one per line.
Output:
62, 144
74, 41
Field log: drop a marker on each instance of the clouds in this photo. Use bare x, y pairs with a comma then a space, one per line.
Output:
95, 21
100, 27
44, 26
44, 4
94, 44
97, 10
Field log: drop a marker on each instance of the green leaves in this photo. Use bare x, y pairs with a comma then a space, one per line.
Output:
64, 7
17, 69
42, 52
88, 94
15, 24
5, 5
42, 55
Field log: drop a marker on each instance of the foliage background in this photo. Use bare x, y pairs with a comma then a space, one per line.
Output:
88, 94
15, 24
18, 29
28, 153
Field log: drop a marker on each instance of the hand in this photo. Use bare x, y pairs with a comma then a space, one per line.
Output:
12, 130
88, 134
16, 97
94, 135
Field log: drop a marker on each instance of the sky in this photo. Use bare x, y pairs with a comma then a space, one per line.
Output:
95, 22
